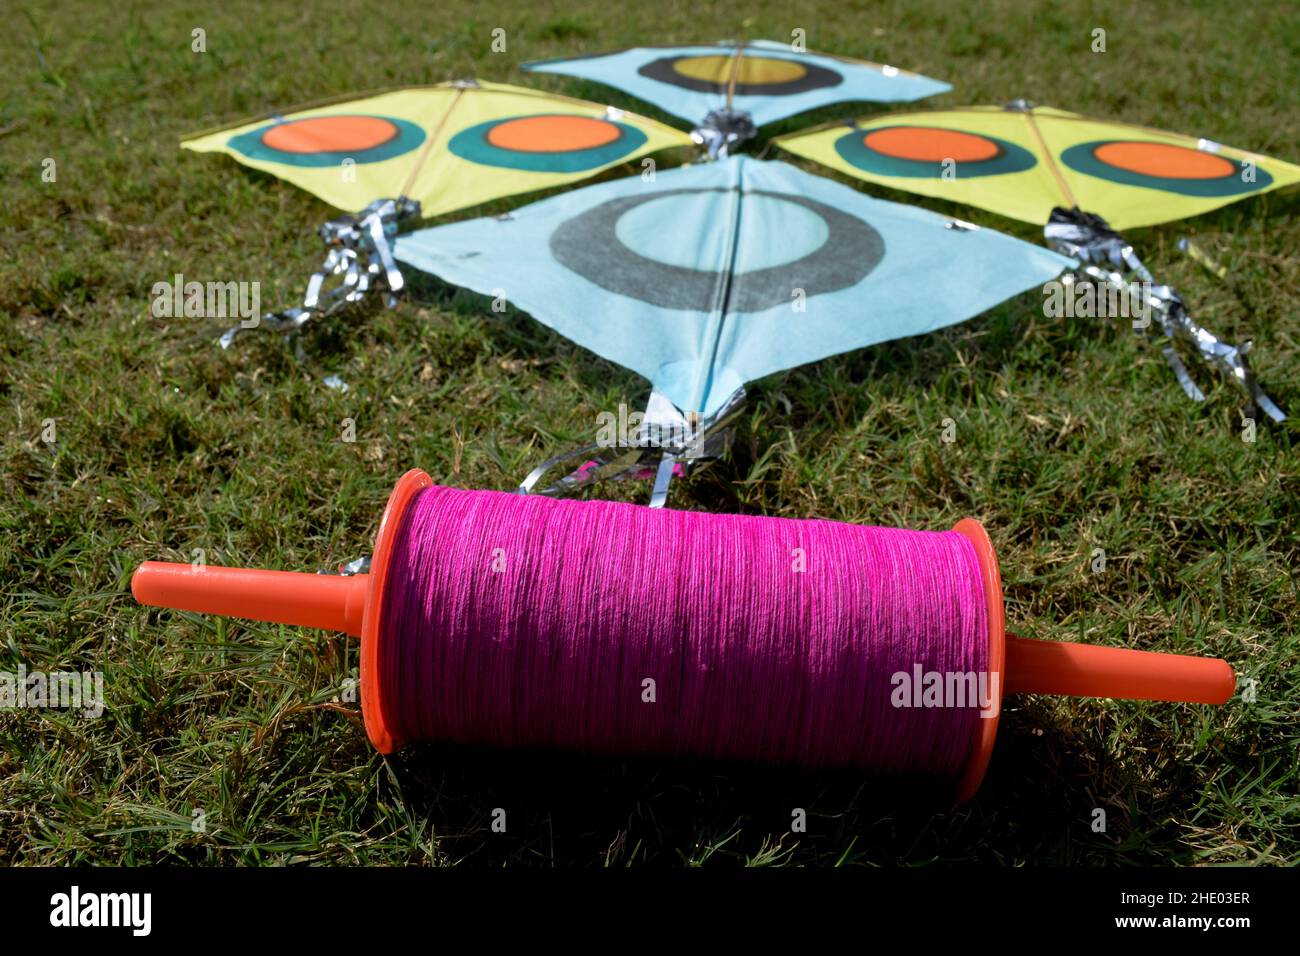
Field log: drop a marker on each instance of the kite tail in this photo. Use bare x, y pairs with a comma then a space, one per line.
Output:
723, 130
665, 444
359, 257
1090, 239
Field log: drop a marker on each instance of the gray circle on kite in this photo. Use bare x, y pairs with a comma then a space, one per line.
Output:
589, 245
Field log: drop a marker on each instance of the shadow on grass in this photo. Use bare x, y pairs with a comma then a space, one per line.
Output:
566, 809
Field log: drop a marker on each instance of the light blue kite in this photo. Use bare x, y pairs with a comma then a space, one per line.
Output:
730, 89
705, 277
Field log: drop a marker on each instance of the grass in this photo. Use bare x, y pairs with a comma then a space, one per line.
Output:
1071, 436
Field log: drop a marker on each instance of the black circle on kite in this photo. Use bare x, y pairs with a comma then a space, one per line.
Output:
590, 245
329, 140
754, 75
931, 152
1167, 167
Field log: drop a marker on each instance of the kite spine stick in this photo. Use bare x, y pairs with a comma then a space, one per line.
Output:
713, 334
427, 151
735, 72
1050, 160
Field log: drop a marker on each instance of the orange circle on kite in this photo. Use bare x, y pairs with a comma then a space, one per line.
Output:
330, 134
750, 71
926, 144
1163, 160
553, 134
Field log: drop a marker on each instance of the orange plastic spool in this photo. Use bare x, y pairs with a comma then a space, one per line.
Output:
353, 604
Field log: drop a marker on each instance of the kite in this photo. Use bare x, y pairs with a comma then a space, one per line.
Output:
1082, 179
706, 277
422, 152
730, 89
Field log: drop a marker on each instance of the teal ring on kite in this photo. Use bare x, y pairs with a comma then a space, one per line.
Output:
406, 137
1082, 159
853, 150
472, 144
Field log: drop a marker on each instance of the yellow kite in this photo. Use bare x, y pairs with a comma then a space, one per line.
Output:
1023, 161
446, 147
1083, 180
422, 152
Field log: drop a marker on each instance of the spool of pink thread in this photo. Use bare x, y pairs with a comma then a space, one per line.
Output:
523, 621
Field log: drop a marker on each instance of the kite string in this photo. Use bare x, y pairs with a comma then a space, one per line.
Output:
612, 628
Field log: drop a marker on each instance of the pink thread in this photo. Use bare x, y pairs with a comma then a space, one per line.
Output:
524, 621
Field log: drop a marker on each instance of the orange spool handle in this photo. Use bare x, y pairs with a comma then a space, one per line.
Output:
1024, 666
1088, 670
352, 604
329, 601
337, 603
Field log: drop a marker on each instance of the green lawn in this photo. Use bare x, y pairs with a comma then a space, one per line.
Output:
1072, 436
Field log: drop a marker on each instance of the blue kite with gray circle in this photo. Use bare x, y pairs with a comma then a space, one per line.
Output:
706, 277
